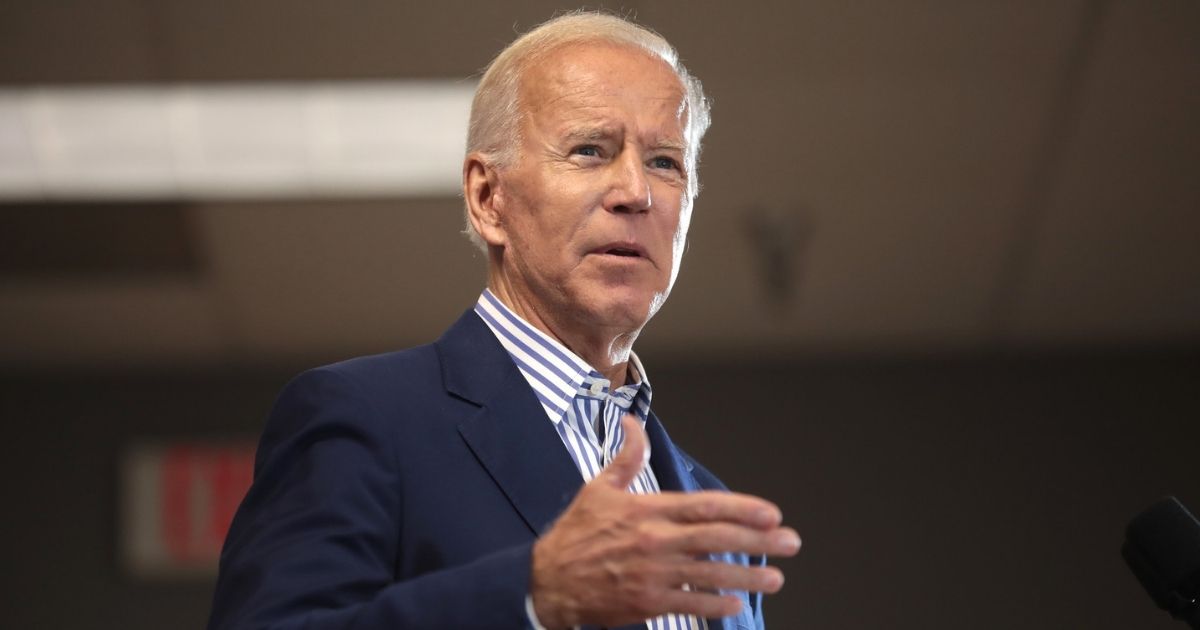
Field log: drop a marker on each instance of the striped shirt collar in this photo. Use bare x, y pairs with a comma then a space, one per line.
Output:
556, 374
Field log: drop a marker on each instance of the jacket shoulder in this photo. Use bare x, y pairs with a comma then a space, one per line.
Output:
366, 368
383, 376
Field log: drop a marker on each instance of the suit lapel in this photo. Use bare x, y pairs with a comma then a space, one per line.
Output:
518, 446
510, 434
671, 469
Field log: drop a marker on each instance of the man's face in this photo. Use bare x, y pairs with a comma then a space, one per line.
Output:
596, 208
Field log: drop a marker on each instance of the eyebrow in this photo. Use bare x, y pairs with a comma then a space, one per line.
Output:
668, 145
591, 133
594, 134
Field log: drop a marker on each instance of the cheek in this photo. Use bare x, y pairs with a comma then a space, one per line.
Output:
680, 229
525, 219
558, 212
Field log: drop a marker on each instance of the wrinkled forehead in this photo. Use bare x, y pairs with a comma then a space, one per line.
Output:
568, 75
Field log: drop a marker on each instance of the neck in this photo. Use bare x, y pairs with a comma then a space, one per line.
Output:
606, 349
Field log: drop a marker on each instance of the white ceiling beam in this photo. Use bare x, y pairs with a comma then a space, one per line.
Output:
233, 141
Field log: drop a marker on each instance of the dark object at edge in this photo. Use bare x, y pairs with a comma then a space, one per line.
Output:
1162, 547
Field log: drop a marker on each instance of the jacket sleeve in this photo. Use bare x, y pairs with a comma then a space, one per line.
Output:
315, 542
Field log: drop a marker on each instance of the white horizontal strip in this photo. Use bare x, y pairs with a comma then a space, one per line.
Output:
214, 141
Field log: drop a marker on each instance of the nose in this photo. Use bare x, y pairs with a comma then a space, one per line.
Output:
629, 189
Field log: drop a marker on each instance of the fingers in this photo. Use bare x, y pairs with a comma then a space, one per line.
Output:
710, 506
722, 537
713, 576
704, 579
632, 457
656, 539
706, 605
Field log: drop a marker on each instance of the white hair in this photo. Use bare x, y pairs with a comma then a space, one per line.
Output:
495, 125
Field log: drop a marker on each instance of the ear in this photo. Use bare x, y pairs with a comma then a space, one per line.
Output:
485, 200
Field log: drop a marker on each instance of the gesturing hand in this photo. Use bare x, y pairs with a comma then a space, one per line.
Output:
615, 558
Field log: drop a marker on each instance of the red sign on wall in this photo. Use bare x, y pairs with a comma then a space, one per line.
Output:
178, 501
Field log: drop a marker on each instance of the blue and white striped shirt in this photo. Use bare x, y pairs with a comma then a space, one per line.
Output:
581, 404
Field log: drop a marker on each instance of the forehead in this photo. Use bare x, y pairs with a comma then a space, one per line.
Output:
600, 80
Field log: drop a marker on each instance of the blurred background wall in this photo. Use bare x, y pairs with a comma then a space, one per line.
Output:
941, 300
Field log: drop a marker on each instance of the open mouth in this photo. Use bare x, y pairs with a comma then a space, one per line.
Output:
622, 249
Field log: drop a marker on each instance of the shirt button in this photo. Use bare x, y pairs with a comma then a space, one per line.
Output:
597, 388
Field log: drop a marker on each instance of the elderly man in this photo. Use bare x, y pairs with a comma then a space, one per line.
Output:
512, 474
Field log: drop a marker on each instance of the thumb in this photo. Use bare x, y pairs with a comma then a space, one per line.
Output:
632, 457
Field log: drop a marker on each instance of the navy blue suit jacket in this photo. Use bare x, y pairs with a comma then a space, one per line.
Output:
405, 490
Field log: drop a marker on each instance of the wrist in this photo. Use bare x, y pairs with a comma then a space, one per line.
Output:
544, 611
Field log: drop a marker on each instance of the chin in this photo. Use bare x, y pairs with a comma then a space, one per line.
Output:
630, 312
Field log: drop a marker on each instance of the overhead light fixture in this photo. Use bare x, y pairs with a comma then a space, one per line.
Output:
223, 141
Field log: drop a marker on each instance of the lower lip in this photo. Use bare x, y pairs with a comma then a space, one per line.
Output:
620, 259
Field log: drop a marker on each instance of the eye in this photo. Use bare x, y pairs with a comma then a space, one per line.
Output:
664, 161
587, 150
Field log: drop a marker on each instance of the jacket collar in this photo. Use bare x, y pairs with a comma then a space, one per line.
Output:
509, 433
512, 439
